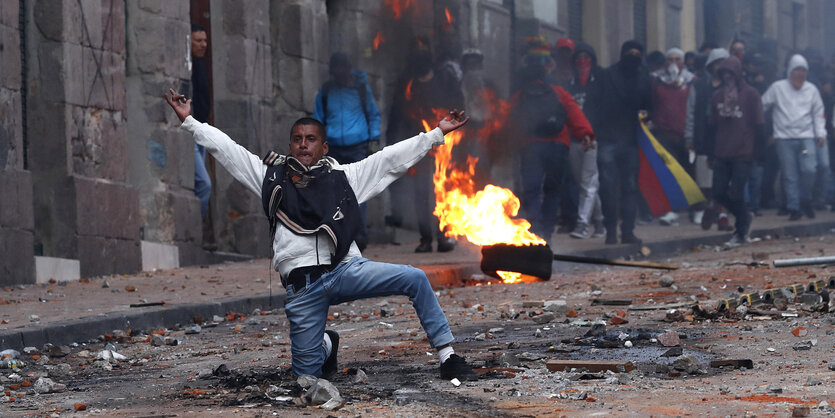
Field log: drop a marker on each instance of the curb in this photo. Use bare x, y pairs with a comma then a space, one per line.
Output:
675, 246
440, 276
85, 329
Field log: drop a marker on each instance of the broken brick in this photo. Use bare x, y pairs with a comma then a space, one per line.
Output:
800, 332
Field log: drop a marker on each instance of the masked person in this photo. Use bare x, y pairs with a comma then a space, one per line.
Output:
670, 89
312, 203
799, 134
586, 89
736, 135
627, 85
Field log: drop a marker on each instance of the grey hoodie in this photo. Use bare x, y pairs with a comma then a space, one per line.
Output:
797, 113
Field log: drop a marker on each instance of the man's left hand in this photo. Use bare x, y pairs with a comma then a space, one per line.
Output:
821, 142
456, 119
587, 143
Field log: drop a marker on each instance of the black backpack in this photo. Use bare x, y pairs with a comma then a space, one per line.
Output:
539, 113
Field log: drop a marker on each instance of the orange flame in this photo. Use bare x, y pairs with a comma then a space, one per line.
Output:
510, 277
483, 217
497, 112
378, 40
449, 18
398, 7
409, 90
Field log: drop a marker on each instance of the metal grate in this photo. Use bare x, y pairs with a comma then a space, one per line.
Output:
575, 19
23, 80
639, 20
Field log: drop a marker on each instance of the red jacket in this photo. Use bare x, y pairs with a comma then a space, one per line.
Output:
576, 123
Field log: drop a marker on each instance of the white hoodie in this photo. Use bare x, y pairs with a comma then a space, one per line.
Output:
797, 113
367, 178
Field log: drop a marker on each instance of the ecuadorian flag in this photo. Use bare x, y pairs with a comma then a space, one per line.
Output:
663, 181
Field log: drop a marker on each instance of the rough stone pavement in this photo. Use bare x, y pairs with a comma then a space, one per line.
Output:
65, 312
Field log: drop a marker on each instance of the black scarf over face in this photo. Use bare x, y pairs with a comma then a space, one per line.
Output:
307, 200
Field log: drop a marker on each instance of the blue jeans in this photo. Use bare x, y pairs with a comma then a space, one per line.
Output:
202, 181
618, 163
754, 187
729, 180
358, 278
543, 164
347, 155
822, 175
798, 162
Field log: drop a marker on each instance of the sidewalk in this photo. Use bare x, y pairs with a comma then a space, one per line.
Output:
78, 311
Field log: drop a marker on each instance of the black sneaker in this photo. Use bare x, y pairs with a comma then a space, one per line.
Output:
630, 238
424, 247
709, 217
807, 209
611, 237
455, 367
446, 245
795, 215
329, 368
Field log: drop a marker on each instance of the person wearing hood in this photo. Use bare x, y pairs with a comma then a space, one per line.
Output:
627, 86
736, 135
562, 54
799, 133
345, 105
670, 89
585, 87
695, 131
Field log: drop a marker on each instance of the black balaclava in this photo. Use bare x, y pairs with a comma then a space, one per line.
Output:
629, 63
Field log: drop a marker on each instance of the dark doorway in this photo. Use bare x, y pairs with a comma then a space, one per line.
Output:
200, 14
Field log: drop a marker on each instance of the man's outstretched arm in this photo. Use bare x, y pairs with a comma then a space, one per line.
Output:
243, 165
372, 175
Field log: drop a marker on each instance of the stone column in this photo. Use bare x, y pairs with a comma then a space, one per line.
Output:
16, 222
161, 162
245, 109
84, 208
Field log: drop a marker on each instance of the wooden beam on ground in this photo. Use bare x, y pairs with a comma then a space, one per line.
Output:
590, 365
606, 261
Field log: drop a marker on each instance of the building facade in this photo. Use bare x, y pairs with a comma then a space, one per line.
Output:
96, 175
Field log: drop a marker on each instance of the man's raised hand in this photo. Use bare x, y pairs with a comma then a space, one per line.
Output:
178, 102
456, 119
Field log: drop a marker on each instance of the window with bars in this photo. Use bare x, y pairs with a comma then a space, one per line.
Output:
639, 20
575, 19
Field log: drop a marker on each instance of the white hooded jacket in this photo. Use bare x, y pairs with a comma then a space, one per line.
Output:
796, 113
367, 178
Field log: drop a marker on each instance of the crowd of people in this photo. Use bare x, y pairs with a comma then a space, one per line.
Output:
726, 116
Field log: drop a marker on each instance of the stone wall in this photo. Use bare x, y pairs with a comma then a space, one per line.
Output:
161, 163
76, 122
16, 221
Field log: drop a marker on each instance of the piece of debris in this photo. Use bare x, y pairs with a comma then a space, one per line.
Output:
360, 378
669, 339
611, 302
47, 385
193, 329
687, 364
666, 281
590, 365
736, 364
800, 332
673, 352
455, 382
544, 318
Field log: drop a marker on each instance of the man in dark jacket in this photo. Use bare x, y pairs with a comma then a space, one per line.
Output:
585, 88
736, 132
628, 86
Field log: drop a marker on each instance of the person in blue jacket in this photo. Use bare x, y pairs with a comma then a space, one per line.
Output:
345, 105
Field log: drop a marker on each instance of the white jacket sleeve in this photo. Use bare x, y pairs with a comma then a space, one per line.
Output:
243, 165
768, 97
372, 175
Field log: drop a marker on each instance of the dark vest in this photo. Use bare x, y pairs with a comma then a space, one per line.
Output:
309, 200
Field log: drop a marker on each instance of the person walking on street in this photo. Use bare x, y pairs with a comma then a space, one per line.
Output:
345, 105
799, 132
736, 135
312, 204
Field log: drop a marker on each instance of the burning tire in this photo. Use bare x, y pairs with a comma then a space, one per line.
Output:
532, 260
